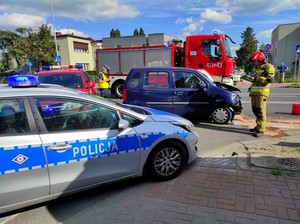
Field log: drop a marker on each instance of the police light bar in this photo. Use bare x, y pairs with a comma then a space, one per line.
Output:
23, 81
61, 67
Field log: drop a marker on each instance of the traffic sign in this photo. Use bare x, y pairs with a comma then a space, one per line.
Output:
268, 52
298, 49
268, 47
57, 58
29, 64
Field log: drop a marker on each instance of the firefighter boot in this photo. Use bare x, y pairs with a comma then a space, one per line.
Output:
258, 134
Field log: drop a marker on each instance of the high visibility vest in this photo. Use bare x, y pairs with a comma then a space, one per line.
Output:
104, 84
260, 85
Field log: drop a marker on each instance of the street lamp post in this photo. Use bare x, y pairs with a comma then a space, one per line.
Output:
56, 47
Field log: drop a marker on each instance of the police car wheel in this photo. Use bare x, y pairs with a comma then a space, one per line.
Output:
221, 115
166, 161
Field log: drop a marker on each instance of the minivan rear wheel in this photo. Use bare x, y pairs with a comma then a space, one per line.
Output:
222, 115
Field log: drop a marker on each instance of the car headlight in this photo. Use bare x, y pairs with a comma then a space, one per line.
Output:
186, 126
227, 80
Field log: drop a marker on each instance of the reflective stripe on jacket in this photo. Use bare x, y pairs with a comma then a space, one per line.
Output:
261, 85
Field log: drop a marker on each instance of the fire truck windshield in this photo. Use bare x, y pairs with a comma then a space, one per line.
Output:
226, 48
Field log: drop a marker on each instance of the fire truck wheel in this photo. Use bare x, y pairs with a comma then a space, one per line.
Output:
221, 115
119, 90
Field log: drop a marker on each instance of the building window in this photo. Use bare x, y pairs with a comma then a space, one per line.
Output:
81, 47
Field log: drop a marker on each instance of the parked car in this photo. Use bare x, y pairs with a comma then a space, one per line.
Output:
56, 141
4, 76
182, 91
67, 76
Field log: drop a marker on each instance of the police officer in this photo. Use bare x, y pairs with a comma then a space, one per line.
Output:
259, 91
104, 80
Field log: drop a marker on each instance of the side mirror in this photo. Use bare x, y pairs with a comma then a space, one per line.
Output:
123, 124
90, 84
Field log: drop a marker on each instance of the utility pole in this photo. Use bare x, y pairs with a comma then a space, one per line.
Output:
55, 40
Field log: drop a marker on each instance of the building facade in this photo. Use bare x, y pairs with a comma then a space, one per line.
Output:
285, 38
75, 50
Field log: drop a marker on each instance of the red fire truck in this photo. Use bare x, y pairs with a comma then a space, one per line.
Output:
209, 53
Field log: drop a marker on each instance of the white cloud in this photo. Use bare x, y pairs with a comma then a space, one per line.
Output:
258, 7
218, 17
223, 3
17, 20
191, 28
184, 20
73, 9
72, 31
265, 34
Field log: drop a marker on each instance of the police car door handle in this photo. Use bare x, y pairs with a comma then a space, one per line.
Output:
147, 91
60, 147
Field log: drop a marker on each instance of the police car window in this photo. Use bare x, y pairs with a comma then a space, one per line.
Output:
13, 119
68, 80
86, 77
132, 120
69, 114
156, 80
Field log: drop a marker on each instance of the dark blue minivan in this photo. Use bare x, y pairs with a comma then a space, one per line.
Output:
182, 91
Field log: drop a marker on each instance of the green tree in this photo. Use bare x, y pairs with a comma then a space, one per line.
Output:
135, 32
115, 33
27, 45
248, 46
262, 48
41, 47
12, 47
141, 32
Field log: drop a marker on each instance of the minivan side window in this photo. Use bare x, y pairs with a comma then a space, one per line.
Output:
156, 80
187, 80
134, 82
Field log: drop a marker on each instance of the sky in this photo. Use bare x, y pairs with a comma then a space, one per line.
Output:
96, 18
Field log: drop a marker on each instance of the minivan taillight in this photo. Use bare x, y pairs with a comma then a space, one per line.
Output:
124, 95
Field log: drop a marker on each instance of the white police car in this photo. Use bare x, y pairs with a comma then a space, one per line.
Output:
55, 141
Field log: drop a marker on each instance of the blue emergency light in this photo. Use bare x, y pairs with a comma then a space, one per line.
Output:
61, 67
79, 66
23, 81
46, 67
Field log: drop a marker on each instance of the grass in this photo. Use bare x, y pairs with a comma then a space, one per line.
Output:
291, 174
276, 172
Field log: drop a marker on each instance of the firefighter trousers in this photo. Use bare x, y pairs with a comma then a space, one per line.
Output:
259, 108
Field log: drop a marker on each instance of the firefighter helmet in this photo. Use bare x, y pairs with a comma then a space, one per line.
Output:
257, 56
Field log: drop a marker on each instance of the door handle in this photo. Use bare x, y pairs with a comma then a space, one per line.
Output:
147, 91
179, 93
59, 147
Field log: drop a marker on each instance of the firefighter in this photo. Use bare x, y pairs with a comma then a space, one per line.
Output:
104, 80
259, 91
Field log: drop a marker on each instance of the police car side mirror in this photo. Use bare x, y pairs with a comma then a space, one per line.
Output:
123, 124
